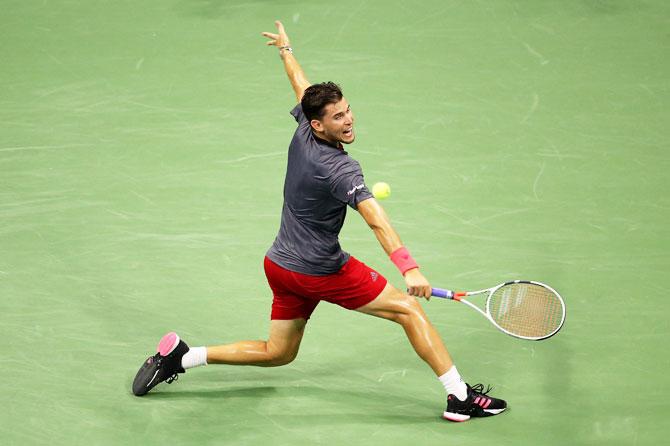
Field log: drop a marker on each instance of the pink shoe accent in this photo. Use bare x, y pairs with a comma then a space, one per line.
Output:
487, 404
476, 401
168, 343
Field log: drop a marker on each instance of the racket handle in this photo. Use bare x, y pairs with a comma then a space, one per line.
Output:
445, 294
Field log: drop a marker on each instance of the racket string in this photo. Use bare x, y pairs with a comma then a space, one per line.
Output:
526, 309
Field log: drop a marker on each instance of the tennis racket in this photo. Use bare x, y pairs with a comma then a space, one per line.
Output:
521, 308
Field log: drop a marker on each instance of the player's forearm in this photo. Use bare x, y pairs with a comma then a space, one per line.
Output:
295, 74
387, 237
376, 218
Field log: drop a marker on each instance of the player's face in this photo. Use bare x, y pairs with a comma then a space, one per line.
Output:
337, 124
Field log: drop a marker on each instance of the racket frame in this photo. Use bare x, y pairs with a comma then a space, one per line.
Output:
460, 295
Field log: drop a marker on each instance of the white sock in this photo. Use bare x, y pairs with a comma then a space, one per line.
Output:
194, 357
453, 384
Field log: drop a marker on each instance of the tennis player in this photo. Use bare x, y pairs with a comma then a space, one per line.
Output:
306, 265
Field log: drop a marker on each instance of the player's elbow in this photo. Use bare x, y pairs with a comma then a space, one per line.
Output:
381, 232
375, 222
375, 225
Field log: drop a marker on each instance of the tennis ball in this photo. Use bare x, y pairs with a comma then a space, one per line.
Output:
381, 190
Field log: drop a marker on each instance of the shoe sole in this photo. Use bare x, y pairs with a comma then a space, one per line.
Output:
458, 418
168, 343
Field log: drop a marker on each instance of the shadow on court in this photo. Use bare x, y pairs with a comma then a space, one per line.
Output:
372, 408
246, 392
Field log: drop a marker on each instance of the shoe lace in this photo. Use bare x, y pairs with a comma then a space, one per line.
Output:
158, 358
479, 389
172, 379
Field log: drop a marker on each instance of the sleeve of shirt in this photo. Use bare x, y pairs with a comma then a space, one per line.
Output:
347, 183
298, 114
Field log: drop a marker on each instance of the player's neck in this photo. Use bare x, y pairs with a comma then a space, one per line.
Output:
321, 137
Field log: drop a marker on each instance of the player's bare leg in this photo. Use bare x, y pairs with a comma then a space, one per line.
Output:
173, 356
394, 305
463, 401
280, 348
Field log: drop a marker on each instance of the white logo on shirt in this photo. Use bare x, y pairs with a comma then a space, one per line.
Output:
352, 191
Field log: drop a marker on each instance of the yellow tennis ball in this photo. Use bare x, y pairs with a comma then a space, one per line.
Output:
381, 190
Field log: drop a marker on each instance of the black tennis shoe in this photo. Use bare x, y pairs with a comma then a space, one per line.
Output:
477, 404
163, 366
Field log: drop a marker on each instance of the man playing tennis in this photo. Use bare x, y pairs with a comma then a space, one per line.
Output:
306, 265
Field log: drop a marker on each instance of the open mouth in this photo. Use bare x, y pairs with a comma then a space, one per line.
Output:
348, 132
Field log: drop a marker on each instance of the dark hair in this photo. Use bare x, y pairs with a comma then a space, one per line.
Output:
316, 98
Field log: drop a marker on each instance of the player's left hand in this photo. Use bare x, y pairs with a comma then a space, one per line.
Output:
417, 284
280, 39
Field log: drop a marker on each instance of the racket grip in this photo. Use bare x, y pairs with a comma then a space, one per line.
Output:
445, 294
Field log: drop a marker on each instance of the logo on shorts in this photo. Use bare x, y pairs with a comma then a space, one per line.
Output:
374, 276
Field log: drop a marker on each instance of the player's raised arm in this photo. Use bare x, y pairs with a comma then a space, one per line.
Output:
293, 70
375, 216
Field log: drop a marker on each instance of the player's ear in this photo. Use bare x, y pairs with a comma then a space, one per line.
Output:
316, 125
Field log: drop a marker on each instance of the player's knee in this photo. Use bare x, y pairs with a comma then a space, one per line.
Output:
282, 357
408, 310
282, 360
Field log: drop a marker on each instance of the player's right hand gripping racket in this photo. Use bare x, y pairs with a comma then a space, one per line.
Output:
523, 309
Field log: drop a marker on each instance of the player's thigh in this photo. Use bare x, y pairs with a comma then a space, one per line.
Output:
392, 304
285, 336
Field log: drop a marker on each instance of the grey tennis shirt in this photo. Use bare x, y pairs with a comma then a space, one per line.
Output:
321, 180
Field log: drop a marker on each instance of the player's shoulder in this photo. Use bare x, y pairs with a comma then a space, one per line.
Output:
339, 162
298, 114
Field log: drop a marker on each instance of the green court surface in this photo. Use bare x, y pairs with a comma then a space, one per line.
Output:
142, 157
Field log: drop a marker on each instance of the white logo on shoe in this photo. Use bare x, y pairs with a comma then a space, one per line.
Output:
152, 379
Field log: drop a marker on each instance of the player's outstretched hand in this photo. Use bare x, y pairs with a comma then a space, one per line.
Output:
417, 284
280, 39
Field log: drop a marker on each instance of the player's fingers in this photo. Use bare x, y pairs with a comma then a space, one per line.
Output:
270, 35
280, 26
271, 42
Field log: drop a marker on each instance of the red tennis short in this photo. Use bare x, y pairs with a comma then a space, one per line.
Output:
296, 295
